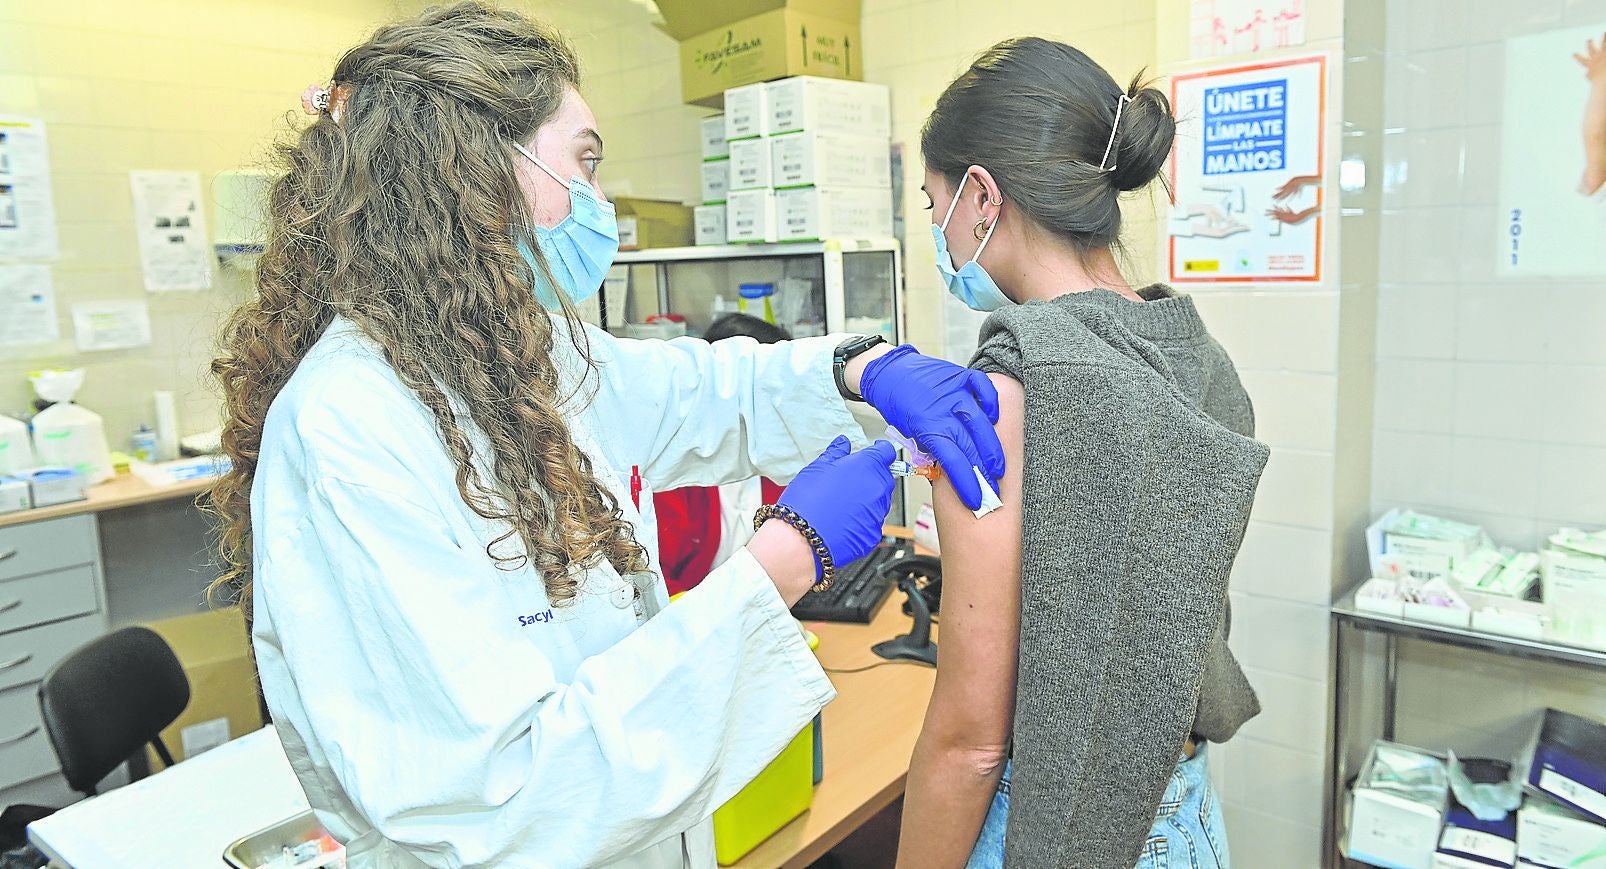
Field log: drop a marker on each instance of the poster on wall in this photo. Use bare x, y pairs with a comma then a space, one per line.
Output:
111, 325
1552, 216
27, 306
1246, 173
27, 210
1222, 27
171, 227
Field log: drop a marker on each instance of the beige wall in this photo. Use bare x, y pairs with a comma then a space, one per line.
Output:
185, 85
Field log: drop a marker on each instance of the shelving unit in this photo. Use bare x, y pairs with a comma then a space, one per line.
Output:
1348, 741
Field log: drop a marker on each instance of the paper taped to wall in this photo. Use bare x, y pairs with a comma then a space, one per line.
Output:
27, 306
171, 227
111, 325
27, 210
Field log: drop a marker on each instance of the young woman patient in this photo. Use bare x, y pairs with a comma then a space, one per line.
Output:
1083, 666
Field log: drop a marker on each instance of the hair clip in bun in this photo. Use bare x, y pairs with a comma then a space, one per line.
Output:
1114, 128
318, 99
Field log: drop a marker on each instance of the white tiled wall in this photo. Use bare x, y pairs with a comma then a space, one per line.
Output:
1488, 391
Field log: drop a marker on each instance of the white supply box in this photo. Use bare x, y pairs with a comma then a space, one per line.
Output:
812, 213
746, 112
14, 495
1575, 594
709, 221
814, 159
1549, 835
716, 180
714, 146
750, 217
750, 164
826, 105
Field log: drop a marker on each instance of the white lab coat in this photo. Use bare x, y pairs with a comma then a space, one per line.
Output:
438, 711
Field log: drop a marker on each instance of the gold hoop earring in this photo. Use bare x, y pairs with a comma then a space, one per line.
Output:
978, 231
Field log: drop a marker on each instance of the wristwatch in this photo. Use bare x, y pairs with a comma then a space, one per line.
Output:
839, 361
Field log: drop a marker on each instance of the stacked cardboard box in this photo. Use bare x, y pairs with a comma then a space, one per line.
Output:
809, 159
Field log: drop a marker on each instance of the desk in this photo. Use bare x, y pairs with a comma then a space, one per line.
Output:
870, 732
123, 490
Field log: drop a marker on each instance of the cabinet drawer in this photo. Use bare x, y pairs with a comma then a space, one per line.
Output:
25, 656
50, 545
25, 750
47, 597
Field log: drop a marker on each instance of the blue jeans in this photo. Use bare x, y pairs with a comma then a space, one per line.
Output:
1188, 832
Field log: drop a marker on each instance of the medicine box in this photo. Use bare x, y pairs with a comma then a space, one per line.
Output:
813, 213
815, 159
716, 180
52, 486
1550, 837
827, 105
750, 164
746, 113
714, 146
1469, 843
750, 217
1575, 593
1392, 827
710, 220
1566, 762
14, 495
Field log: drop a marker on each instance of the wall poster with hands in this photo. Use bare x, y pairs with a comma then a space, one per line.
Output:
1246, 174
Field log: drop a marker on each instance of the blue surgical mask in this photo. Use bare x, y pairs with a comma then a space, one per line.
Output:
579, 250
970, 283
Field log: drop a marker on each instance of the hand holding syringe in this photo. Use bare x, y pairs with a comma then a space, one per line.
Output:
923, 464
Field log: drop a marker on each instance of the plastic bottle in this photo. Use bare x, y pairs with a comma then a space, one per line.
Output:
144, 443
16, 450
66, 435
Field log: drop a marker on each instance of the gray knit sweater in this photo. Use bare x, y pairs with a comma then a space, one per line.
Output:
1138, 479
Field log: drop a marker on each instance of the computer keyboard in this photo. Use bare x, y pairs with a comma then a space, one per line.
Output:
859, 589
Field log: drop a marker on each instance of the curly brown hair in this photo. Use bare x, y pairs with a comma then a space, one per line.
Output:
397, 213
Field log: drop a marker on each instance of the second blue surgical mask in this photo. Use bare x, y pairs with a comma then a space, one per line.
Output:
969, 283
580, 249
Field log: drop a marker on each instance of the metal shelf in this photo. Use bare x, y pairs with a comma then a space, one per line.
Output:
1344, 610
755, 251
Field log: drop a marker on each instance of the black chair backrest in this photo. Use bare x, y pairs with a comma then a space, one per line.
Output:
108, 700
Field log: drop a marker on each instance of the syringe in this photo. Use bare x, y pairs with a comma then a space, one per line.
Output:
901, 468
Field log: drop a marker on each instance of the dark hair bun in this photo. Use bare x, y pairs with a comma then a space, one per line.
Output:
1039, 115
1143, 139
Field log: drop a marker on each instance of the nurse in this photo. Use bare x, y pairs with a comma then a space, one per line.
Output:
440, 502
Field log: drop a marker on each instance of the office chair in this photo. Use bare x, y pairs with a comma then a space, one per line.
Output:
107, 700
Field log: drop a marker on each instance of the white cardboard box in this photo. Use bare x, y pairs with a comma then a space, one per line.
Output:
827, 105
811, 213
750, 217
814, 159
746, 112
716, 180
714, 146
750, 164
1575, 594
1548, 835
14, 495
709, 222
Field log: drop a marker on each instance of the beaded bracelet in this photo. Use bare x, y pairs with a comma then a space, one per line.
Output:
810, 536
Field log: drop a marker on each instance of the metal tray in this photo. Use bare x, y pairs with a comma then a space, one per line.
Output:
252, 851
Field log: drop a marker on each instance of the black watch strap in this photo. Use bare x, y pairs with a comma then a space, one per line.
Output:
846, 351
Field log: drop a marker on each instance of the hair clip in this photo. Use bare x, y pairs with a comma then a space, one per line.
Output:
1114, 128
318, 99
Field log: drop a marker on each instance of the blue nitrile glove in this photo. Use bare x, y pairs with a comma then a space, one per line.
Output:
946, 409
845, 496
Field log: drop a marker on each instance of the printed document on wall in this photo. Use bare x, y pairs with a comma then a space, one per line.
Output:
171, 225
1552, 215
111, 325
1222, 27
27, 210
1246, 173
27, 306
